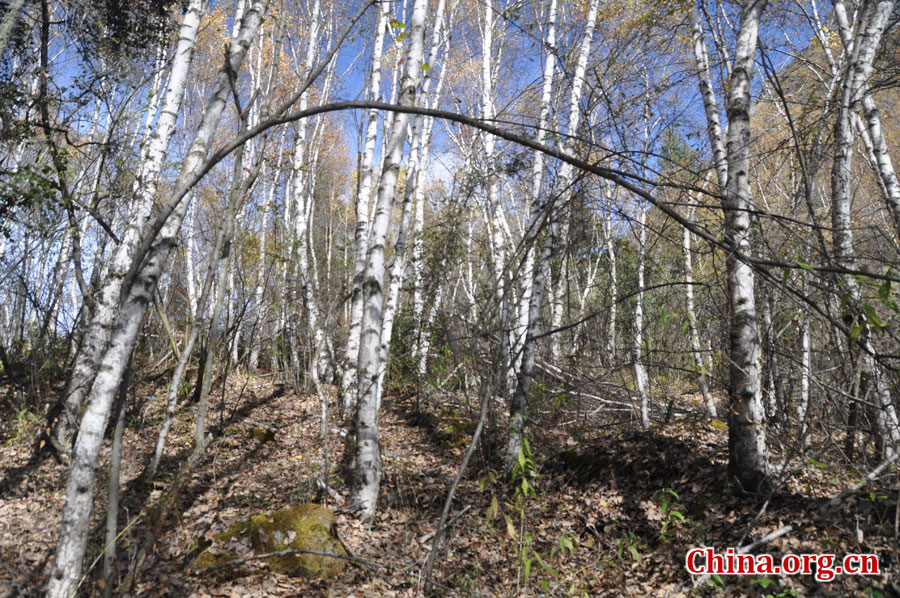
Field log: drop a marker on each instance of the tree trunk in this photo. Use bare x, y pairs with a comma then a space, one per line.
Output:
367, 479
748, 457
641, 380
611, 345
9, 22
537, 177
804, 406
73, 533
857, 70
696, 352
517, 406
714, 127
360, 241
880, 149
97, 334
115, 462
414, 192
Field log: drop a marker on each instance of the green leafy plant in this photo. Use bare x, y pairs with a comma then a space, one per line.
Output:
673, 519
524, 473
26, 426
628, 546
777, 591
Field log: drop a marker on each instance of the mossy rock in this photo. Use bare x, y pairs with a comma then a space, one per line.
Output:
262, 434
304, 527
718, 424
454, 428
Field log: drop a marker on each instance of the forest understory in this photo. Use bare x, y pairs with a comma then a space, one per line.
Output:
613, 512
448, 297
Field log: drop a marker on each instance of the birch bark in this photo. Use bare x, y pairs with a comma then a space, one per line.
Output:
414, 192
748, 458
710, 104
608, 234
880, 149
550, 212
537, 176
303, 202
98, 332
362, 203
696, 352
73, 535
368, 471
857, 70
641, 380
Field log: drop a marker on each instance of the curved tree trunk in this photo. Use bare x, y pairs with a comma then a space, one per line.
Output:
97, 334
73, 535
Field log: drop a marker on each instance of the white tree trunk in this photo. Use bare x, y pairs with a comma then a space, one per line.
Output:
97, 333
73, 535
880, 148
559, 223
696, 351
537, 177
608, 234
190, 270
517, 407
362, 207
419, 199
714, 127
805, 372
642, 382
747, 436
414, 192
857, 70
303, 188
492, 210
367, 479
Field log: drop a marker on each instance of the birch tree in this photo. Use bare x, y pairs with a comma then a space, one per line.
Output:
879, 146
748, 458
367, 478
361, 206
73, 535
548, 213
858, 66
691, 314
97, 334
537, 177
414, 193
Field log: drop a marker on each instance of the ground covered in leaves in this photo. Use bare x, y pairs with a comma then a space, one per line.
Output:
606, 510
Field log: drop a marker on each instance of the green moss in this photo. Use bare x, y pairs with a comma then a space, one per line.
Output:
304, 527
262, 434
718, 424
455, 430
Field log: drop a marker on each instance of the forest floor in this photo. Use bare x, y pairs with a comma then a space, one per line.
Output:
613, 511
